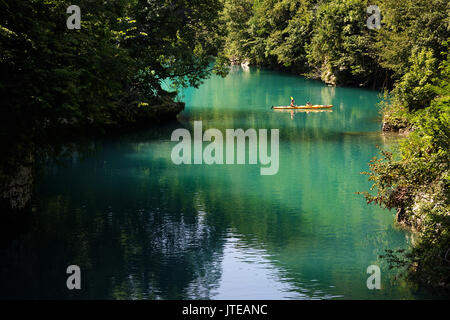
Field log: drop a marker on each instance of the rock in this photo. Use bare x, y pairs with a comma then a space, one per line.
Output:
388, 126
18, 188
401, 215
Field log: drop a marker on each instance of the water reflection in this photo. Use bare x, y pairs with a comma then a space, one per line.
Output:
141, 227
250, 271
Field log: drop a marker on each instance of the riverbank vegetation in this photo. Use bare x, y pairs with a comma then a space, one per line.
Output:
415, 178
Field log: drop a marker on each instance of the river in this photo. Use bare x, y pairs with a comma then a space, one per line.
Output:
141, 227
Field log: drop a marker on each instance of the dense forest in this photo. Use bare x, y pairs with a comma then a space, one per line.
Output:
116, 69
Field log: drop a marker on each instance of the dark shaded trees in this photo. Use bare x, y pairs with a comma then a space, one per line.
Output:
111, 71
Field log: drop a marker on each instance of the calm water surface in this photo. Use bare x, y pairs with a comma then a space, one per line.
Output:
141, 227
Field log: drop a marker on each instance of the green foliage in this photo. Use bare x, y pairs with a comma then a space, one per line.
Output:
330, 40
236, 16
341, 44
177, 39
291, 53
395, 115
415, 89
327, 39
409, 25
416, 181
268, 32
100, 75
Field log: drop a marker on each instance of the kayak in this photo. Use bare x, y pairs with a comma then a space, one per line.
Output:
316, 106
303, 110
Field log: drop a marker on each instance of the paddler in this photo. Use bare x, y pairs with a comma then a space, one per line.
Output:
292, 102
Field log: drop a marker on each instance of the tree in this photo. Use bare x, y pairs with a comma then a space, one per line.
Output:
108, 73
415, 88
341, 46
236, 15
408, 25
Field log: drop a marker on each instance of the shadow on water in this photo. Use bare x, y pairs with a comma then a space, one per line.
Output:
125, 244
141, 229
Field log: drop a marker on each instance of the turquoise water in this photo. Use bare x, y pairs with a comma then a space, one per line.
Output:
141, 227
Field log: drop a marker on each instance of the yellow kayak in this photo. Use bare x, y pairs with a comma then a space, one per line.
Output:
316, 106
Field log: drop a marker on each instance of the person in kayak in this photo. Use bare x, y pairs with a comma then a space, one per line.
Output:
309, 104
292, 102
